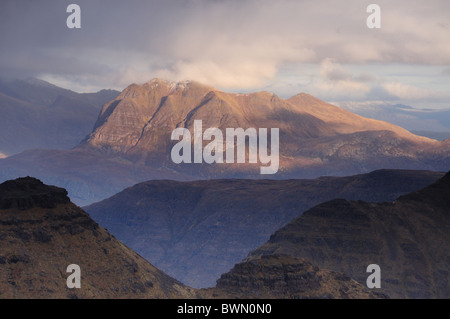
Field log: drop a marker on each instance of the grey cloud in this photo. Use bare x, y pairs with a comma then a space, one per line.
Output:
227, 43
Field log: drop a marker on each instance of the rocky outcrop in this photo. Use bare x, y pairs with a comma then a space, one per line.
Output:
287, 277
28, 192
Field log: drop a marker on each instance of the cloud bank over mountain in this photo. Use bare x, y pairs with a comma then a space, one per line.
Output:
235, 44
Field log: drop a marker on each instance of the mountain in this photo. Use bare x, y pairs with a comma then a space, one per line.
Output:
432, 123
138, 124
200, 229
37, 114
132, 136
286, 277
408, 238
42, 232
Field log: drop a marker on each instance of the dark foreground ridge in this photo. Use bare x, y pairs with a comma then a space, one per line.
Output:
42, 233
49, 233
408, 238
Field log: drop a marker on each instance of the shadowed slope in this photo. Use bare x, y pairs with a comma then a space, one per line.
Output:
201, 229
41, 233
409, 239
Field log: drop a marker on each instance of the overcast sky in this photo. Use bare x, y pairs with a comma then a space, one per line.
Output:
320, 47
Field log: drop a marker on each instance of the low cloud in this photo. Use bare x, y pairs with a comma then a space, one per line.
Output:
407, 92
333, 71
335, 82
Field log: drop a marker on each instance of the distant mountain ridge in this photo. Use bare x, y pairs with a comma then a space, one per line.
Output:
432, 123
38, 114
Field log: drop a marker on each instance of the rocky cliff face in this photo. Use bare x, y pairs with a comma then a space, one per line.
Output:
286, 277
201, 229
408, 238
41, 233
